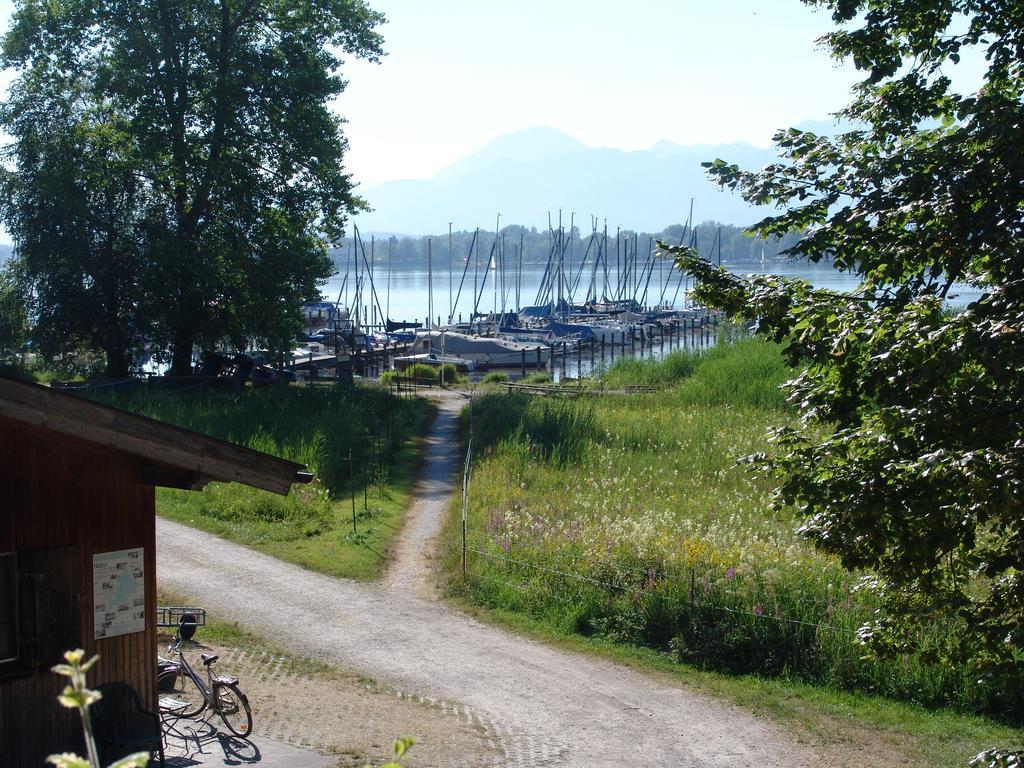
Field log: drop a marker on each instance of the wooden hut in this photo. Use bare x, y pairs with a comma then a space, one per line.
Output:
77, 547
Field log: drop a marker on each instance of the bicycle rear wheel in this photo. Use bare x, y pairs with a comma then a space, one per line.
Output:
234, 709
180, 694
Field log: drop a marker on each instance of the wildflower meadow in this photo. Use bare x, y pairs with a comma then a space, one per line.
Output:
630, 517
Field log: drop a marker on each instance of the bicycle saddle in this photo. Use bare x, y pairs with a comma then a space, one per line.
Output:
208, 659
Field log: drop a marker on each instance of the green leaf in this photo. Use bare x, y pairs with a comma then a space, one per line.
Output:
138, 760
68, 760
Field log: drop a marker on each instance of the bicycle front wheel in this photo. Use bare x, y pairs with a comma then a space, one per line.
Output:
180, 694
234, 709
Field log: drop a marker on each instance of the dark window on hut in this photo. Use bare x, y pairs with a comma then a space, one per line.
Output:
8, 608
39, 617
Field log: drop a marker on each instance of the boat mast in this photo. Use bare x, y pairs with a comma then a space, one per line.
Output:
368, 271
465, 270
504, 290
519, 270
649, 267
357, 295
561, 261
387, 299
476, 285
497, 227
602, 258
451, 307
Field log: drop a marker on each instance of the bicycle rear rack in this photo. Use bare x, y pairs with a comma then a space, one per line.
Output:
170, 615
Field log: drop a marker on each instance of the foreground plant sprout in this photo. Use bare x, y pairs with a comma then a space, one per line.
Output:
77, 696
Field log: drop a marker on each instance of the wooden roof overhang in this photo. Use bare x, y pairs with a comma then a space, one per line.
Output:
169, 456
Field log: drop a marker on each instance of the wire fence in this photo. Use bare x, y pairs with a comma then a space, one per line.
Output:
693, 597
465, 482
841, 598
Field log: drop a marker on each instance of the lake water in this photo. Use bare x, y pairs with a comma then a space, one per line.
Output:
405, 296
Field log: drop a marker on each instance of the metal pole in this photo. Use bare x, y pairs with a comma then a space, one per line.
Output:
352, 479
451, 307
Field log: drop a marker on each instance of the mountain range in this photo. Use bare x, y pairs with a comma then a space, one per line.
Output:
527, 174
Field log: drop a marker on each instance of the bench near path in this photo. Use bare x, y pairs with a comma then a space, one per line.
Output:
539, 705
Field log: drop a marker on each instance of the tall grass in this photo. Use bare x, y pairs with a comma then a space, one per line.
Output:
360, 442
316, 425
425, 371
628, 517
746, 372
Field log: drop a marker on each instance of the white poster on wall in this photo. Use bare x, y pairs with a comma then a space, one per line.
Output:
119, 593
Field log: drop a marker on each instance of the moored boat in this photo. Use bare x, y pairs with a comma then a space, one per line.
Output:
482, 350
434, 358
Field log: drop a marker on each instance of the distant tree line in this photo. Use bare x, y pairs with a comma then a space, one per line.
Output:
535, 245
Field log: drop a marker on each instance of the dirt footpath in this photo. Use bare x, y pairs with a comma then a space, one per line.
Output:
532, 705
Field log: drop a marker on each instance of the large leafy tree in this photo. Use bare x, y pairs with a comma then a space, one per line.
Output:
221, 108
74, 207
908, 460
13, 317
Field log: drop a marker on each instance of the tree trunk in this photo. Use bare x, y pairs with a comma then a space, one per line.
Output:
118, 362
181, 358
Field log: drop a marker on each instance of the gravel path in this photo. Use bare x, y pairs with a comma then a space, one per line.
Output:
539, 706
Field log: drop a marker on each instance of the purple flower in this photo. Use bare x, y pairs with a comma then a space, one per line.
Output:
758, 610
730, 574
506, 543
495, 520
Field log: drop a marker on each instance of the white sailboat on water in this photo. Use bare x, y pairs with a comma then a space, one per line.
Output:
481, 350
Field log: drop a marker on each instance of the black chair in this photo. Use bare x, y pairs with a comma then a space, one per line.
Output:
122, 726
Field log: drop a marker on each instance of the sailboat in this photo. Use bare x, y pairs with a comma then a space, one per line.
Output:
434, 358
481, 350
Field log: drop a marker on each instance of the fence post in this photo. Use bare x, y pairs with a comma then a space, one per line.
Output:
352, 479
465, 489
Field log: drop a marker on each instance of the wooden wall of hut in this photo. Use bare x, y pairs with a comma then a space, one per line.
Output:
62, 500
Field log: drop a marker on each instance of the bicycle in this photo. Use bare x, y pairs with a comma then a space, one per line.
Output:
183, 693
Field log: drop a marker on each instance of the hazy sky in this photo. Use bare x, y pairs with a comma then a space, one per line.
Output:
619, 74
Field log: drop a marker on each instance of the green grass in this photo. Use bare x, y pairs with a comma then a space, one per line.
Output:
318, 427
540, 377
36, 374
427, 371
628, 519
